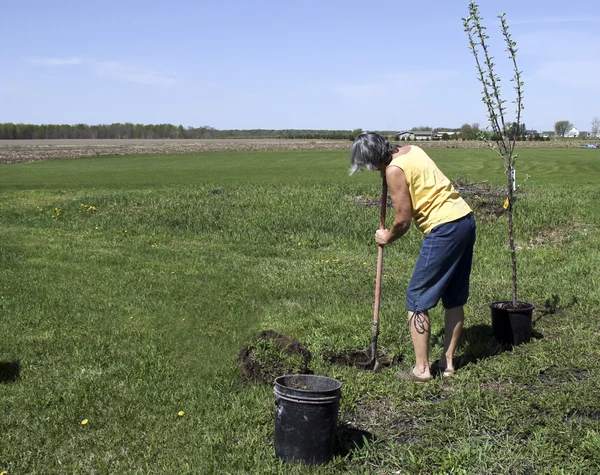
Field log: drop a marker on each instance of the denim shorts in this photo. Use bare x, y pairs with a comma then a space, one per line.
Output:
443, 267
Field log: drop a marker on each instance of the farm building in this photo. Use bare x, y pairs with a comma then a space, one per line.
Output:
572, 133
450, 133
415, 135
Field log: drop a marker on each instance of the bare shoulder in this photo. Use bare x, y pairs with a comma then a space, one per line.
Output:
394, 173
403, 150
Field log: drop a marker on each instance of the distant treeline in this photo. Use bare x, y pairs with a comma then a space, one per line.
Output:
10, 131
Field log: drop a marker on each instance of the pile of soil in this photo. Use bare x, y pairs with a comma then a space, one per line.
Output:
257, 367
508, 305
486, 202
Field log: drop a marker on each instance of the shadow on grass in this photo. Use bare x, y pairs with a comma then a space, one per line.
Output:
9, 371
479, 344
350, 438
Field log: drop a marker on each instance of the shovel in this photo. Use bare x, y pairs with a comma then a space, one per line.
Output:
373, 362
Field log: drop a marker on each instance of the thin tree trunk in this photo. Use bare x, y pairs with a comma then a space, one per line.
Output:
511, 238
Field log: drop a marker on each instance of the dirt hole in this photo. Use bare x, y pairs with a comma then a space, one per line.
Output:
486, 201
271, 355
360, 358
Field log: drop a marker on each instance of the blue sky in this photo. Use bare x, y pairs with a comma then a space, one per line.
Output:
274, 64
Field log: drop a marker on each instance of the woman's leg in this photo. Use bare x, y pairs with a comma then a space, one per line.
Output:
455, 318
420, 331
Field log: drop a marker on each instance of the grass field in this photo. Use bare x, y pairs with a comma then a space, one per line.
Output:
129, 284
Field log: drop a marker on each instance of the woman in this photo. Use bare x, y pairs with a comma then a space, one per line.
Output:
421, 192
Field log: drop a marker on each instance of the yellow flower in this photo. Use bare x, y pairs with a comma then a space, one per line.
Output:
4, 473
181, 413
84, 422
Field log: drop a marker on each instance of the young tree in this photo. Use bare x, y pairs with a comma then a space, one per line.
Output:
504, 132
595, 127
562, 127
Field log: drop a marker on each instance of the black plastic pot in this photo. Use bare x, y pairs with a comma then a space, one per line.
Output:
511, 326
306, 412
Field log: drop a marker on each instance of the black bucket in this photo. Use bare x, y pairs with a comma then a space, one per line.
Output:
306, 412
511, 326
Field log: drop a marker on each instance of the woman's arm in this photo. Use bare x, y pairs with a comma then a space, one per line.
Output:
398, 191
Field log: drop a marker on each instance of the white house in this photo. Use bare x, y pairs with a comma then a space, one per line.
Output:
572, 133
415, 135
449, 133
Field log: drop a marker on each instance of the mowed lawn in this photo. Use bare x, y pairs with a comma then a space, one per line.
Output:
129, 284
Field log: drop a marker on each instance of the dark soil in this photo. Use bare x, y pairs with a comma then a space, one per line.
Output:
360, 358
486, 202
370, 201
510, 306
265, 372
553, 374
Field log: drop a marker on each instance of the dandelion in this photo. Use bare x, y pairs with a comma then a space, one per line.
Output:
124, 230
4, 473
181, 413
84, 422
153, 246
131, 318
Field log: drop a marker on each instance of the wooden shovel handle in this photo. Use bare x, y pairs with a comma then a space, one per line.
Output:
382, 212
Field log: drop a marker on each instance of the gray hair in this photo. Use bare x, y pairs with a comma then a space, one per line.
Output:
370, 151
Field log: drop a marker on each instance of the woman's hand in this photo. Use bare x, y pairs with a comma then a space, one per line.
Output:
382, 237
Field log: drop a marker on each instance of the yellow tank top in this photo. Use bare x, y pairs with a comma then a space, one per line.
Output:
434, 199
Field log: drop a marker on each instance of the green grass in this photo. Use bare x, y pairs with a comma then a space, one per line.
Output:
130, 283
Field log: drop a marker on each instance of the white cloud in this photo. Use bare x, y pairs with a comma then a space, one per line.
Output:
113, 69
140, 75
55, 61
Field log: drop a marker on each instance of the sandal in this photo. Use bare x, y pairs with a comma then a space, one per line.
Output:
438, 369
408, 375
